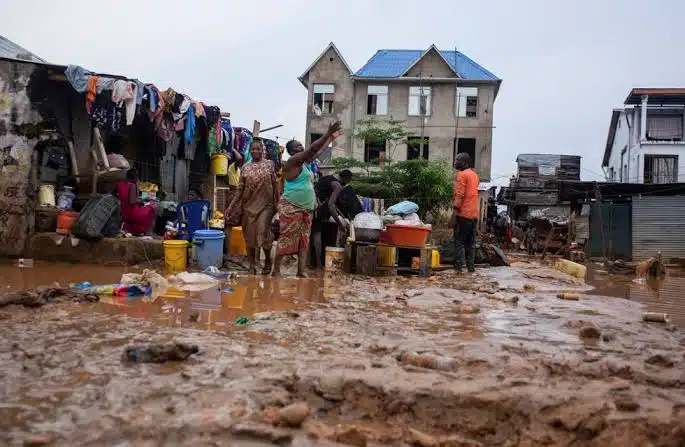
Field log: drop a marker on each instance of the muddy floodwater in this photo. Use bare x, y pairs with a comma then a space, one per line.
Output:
491, 359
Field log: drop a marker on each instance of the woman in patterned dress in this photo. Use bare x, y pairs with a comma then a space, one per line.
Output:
256, 198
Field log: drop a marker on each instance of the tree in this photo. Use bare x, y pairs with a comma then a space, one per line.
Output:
426, 183
390, 132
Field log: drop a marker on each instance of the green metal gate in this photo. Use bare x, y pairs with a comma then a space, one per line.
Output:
611, 230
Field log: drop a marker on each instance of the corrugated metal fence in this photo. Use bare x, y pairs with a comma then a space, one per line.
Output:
658, 225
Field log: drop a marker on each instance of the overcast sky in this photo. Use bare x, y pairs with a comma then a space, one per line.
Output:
564, 65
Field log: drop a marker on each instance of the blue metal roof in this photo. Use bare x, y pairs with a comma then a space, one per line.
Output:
394, 63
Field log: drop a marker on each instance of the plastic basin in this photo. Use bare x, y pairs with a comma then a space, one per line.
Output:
407, 236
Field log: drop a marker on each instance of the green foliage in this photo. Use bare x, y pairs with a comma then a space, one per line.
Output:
391, 132
426, 183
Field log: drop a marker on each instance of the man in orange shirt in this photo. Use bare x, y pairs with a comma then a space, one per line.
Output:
465, 215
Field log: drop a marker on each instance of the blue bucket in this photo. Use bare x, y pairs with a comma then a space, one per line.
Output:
209, 248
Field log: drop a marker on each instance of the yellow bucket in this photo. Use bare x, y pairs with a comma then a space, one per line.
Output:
175, 255
334, 259
386, 255
435, 258
219, 164
238, 247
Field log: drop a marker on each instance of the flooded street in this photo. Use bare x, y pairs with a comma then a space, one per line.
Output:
493, 358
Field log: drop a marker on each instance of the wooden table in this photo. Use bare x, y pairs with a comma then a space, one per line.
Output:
362, 258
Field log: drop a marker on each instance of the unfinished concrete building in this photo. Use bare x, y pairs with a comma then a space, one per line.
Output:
443, 96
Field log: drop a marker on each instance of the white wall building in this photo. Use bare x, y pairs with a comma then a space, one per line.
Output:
645, 142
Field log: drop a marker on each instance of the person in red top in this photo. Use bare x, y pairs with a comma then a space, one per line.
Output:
466, 213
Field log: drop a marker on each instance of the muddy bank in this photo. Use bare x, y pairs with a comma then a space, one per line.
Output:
450, 360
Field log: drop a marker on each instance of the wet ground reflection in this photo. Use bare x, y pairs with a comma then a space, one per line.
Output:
220, 308
658, 294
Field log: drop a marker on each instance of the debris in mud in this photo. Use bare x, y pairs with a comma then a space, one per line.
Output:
292, 415
590, 331
148, 278
420, 439
465, 309
568, 296
505, 299
626, 402
655, 317
159, 353
42, 296
38, 440
429, 361
262, 431
660, 360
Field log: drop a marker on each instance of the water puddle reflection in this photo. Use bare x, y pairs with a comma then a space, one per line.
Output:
222, 307
664, 295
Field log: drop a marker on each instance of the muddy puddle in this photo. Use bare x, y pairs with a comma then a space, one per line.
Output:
491, 359
663, 295
221, 308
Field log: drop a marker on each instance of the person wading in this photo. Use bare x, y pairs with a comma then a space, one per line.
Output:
465, 215
256, 197
299, 201
337, 203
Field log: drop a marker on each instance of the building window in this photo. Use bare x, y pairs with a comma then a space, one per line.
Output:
419, 101
374, 151
377, 100
467, 102
665, 125
313, 137
623, 174
467, 145
661, 169
612, 175
414, 148
323, 97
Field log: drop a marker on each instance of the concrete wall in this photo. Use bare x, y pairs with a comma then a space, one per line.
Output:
431, 65
32, 103
658, 149
629, 137
331, 70
621, 141
440, 125
18, 136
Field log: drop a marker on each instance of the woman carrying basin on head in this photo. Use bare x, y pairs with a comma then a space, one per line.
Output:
298, 201
256, 198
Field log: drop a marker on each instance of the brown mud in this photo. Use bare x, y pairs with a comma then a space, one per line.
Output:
452, 360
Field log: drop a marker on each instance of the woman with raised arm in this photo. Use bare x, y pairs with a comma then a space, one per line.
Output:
299, 200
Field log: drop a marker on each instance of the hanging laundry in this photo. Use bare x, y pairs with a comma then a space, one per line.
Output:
104, 84
190, 124
169, 97
212, 146
273, 152
78, 77
91, 93
124, 92
105, 114
228, 143
140, 91
199, 109
152, 97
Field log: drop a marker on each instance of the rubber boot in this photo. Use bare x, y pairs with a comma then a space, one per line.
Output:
471, 260
459, 257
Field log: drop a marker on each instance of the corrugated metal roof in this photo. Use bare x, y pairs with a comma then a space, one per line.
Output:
394, 63
11, 50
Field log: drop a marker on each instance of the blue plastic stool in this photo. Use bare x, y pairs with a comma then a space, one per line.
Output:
192, 216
